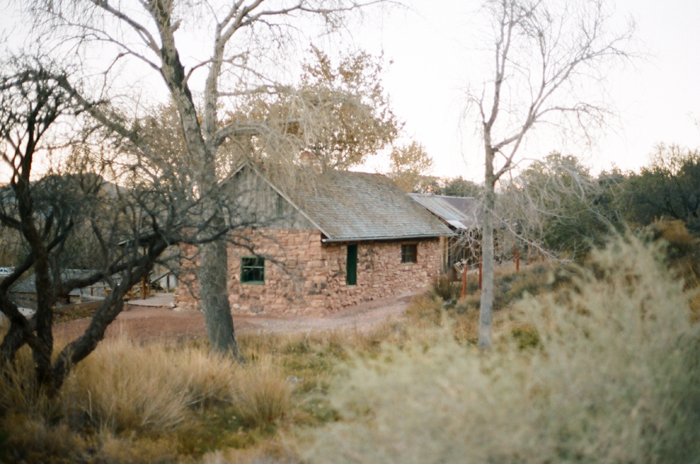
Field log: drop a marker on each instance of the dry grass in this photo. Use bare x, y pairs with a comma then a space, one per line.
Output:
432, 309
614, 378
159, 391
599, 368
169, 402
261, 395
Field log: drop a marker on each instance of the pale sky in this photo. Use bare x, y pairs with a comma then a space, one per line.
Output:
657, 98
431, 47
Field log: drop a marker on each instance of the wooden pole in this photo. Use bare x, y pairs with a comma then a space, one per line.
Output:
464, 280
144, 281
480, 265
517, 262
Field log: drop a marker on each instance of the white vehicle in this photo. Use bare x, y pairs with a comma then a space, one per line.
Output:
6, 271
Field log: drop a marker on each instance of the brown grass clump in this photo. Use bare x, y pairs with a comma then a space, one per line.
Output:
121, 387
613, 377
682, 249
261, 394
33, 440
155, 400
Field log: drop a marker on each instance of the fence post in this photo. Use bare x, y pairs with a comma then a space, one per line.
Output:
464, 280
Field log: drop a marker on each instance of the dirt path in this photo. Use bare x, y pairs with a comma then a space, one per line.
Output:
157, 322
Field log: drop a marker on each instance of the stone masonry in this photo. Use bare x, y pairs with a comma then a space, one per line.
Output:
307, 277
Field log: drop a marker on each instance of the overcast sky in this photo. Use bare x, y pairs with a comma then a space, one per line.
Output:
431, 48
657, 99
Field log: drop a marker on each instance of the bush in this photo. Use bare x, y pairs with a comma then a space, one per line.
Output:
442, 287
615, 379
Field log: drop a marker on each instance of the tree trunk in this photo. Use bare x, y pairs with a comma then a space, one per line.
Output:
213, 293
486, 309
213, 267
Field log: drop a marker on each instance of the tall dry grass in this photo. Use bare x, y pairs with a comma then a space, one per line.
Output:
615, 378
124, 389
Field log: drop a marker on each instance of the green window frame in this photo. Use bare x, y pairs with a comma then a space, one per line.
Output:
409, 253
252, 270
351, 265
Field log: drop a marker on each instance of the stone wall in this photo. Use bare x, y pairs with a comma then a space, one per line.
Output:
305, 276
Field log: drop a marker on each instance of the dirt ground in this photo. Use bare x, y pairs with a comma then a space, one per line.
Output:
161, 322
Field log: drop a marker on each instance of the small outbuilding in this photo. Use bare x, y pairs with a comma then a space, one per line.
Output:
463, 216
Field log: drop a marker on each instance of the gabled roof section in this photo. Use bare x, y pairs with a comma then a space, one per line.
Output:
355, 206
360, 206
462, 213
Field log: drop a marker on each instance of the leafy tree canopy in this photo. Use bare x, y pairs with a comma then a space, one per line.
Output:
668, 187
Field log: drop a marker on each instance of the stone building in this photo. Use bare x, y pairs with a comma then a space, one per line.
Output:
323, 241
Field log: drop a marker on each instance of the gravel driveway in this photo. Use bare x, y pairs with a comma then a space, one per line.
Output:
154, 322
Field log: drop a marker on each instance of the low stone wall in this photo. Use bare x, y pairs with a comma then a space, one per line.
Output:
305, 276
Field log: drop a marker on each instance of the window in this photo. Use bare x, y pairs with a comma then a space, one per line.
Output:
351, 268
279, 206
409, 253
253, 270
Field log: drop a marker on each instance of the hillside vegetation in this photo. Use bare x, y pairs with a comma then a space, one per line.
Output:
602, 365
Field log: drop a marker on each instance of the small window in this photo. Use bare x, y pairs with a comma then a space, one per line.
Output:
409, 253
279, 206
253, 270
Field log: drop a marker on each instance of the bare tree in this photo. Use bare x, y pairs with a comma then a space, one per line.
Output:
559, 208
120, 229
46, 213
542, 50
240, 36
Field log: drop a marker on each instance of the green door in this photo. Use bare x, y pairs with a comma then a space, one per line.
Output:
351, 274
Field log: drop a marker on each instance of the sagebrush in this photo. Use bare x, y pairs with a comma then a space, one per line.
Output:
613, 378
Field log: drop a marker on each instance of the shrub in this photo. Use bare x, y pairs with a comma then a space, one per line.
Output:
615, 379
442, 287
509, 288
526, 336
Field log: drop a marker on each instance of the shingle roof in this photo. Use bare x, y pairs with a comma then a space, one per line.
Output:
462, 213
360, 206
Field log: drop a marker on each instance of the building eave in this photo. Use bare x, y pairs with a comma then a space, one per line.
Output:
386, 238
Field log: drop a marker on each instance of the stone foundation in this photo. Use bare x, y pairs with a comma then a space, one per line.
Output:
305, 276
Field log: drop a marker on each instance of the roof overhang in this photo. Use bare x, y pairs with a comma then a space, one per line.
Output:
386, 238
